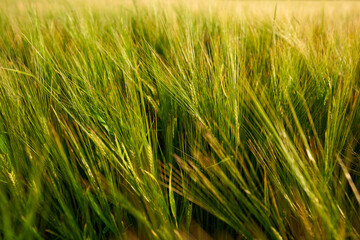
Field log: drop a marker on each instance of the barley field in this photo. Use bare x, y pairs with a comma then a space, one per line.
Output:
179, 119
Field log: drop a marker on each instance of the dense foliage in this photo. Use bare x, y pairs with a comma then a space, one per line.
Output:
165, 121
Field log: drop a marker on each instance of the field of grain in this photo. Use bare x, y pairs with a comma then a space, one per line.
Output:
179, 119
